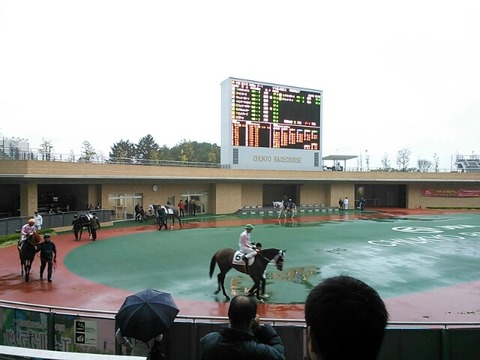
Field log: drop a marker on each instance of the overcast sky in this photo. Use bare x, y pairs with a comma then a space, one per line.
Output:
394, 74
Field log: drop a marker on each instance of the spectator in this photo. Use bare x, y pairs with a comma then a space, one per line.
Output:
48, 256
345, 319
245, 338
135, 347
181, 208
340, 204
38, 221
345, 203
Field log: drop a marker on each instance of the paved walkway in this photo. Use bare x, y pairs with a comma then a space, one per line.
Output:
423, 263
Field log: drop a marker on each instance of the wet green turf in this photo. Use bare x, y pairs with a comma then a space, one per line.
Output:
395, 255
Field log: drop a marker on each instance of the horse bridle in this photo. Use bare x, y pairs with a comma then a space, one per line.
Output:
276, 255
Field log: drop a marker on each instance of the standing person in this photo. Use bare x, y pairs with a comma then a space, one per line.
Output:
94, 225
346, 319
142, 214
245, 244
48, 255
27, 230
244, 338
162, 217
193, 207
340, 204
345, 203
137, 212
38, 221
363, 201
137, 347
76, 226
181, 208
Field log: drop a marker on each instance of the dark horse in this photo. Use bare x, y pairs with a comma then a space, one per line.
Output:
83, 221
224, 260
165, 213
27, 252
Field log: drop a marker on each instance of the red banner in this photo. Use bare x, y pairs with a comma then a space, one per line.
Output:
451, 192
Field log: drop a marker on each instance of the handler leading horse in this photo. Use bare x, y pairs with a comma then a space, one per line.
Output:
224, 259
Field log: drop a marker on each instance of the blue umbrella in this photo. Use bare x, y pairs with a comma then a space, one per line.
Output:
146, 314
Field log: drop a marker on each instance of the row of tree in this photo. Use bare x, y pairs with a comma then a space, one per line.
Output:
147, 150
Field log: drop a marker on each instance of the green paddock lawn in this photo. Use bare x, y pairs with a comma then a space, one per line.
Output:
397, 256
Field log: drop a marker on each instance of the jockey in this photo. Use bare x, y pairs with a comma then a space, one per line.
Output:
246, 246
27, 230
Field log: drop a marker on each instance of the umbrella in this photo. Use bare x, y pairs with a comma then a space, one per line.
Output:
146, 314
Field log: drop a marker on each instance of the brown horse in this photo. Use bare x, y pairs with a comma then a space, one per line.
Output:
224, 260
27, 252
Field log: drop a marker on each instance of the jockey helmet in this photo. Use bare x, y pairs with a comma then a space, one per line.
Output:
249, 226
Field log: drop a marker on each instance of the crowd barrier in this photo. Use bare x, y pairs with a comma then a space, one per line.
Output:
28, 326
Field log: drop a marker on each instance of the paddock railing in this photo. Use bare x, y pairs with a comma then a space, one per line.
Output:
72, 330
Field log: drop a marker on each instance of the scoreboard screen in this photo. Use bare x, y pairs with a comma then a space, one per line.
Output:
274, 116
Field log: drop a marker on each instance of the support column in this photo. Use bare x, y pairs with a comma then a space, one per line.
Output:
28, 198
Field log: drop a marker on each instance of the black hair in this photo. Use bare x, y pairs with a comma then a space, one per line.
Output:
242, 311
347, 319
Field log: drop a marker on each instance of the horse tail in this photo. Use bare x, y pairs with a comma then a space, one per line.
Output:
213, 262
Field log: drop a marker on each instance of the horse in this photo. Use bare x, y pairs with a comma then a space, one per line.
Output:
290, 208
223, 258
165, 213
172, 214
26, 252
83, 221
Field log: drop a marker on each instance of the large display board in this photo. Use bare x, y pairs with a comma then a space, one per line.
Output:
266, 125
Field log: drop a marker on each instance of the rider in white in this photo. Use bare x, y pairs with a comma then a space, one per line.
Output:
245, 244
27, 229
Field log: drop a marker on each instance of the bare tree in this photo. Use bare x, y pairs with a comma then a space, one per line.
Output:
403, 158
385, 162
436, 161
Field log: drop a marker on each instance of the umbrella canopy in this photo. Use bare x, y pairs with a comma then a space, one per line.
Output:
146, 314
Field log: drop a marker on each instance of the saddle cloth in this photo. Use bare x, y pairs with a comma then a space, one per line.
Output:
238, 259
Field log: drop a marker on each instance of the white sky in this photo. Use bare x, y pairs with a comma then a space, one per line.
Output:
395, 74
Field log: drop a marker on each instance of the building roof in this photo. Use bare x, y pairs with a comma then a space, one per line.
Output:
339, 157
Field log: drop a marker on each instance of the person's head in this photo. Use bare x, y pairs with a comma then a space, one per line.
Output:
346, 319
94, 214
46, 237
242, 312
31, 221
249, 228
258, 246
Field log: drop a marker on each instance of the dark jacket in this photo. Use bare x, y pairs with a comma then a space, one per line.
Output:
233, 344
47, 250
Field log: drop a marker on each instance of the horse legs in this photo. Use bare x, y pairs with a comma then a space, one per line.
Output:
255, 289
27, 266
221, 280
